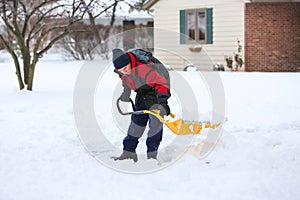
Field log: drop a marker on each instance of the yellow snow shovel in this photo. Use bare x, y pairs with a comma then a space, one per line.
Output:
177, 126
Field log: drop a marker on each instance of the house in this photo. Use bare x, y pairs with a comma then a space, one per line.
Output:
131, 34
127, 32
265, 34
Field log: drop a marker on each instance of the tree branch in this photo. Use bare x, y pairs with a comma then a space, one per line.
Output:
44, 3
37, 23
58, 38
26, 19
106, 9
17, 32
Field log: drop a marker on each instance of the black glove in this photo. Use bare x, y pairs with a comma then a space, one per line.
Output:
162, 107
163, 104
125, 97
166, 108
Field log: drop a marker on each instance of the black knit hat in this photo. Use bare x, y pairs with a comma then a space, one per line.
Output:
120, 58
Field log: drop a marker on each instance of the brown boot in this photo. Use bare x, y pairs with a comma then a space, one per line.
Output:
152, 155
127, 155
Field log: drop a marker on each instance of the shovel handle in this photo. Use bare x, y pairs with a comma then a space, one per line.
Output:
119, 109
141, 112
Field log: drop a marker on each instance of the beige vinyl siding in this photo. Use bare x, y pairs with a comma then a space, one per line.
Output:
228, 26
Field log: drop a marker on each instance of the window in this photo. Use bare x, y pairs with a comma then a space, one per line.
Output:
128, 36
196, 25
201, 25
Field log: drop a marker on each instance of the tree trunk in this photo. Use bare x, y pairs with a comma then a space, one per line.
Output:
26, 73
31, 72
18, 73
26, 64
30, 77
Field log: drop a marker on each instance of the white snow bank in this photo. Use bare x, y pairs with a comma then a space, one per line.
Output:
257, 157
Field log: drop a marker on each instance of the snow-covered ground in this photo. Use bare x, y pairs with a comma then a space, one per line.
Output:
42, 156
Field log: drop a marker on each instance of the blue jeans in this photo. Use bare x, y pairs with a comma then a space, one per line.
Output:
137, 128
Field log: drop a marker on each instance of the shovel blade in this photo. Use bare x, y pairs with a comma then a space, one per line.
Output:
179, 127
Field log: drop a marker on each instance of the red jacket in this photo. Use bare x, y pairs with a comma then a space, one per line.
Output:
146, 81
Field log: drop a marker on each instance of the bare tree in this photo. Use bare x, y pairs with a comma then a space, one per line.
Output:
100, 33
85, 45
138, 5
33, 27
29, 26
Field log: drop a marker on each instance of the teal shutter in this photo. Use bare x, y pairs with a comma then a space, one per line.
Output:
209, 25
182, 26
